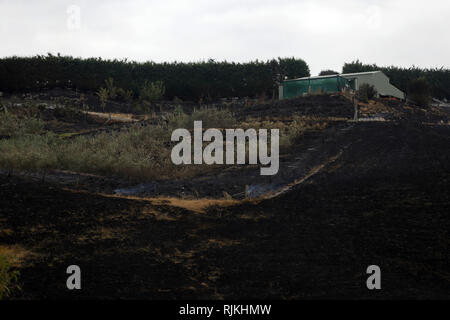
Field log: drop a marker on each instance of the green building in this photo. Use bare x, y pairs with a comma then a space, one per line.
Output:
337, 83
321, 84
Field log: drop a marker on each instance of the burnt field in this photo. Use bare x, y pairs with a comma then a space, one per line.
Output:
347, 195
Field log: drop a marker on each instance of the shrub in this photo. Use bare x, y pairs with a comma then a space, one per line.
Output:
419, 92
111, 88
327, 72
210, 117
366, 92
293, 134
125, 95
110, 92
149, 92
12, 125
152, 91
29, 152
102, 94
8, 278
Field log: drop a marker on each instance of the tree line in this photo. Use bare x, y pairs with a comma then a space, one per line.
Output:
438, 79
207, 80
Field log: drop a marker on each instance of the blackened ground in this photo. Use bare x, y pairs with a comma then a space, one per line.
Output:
384, 201
317, 105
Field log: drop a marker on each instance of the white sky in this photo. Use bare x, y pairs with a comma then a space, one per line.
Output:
325, 33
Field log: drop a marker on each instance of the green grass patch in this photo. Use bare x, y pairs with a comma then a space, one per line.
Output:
8, 278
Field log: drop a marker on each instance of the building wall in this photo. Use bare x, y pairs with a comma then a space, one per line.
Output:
310, 85
385, 88
363, 78
380, 81
303, 86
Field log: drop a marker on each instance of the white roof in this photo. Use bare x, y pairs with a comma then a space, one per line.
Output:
335, 75
317, 77
358, 73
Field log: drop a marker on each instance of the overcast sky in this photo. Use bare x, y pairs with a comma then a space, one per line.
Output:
325, 33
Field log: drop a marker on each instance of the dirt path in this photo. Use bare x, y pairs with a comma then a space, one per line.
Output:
117, 117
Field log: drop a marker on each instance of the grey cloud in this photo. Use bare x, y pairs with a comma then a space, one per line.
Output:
324, 33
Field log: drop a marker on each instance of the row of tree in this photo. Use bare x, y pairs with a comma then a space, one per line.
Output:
437, 79
188, 81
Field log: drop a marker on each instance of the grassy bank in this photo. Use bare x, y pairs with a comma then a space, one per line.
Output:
140, 151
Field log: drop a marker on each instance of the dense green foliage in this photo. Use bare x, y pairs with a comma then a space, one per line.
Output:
438, 78
366, 92
188, 81
152, 91
328, 72
419, 91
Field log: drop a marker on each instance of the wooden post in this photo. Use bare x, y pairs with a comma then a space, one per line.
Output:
355, 105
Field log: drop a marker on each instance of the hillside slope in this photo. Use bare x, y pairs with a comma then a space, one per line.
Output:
383, 201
